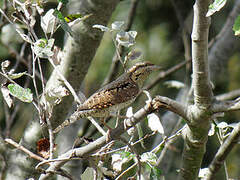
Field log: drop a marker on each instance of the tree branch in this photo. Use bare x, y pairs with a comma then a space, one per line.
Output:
222, 153
226, 106
88, 149
201, 80
171, 105
196, 133
158, 102
228, 96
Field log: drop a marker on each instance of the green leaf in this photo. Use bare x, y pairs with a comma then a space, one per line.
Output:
63, 22
63, 1
236, 26
72, 17
155, 173
126, 154
149, 157
22, 94
88, 174
217, 5
140, 135
42, 48
16, 75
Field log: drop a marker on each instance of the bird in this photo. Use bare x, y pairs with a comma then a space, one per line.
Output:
114, 96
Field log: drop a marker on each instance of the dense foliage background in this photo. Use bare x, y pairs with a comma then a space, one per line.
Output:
164, 38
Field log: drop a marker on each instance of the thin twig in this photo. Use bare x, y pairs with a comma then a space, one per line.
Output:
115, 62
228, 96
164, 74
124, 147
25, 150
127, 170
76, 98
223, 152
137, 156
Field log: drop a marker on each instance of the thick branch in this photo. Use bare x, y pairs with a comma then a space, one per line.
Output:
218, 57
197, 130
201, 79
171, 105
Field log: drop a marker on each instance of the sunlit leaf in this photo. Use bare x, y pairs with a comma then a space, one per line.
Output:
118, 161
126, 154
129, 114
149, 157
73, 19
126, 39
154, 123
55, 95
43, 48
101, 27
117, 25
236, 26
22, 94
202, 173
217, 5
5, 65
6, 95
211, 132
222, 125
48, 22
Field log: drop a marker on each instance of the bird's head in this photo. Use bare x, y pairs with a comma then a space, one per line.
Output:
140, 71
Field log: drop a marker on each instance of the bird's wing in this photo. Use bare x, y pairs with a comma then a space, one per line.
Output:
119, 91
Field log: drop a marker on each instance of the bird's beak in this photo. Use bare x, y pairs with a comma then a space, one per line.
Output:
156, 67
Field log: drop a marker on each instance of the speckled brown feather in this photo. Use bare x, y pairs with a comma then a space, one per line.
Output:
119, 91
113, 96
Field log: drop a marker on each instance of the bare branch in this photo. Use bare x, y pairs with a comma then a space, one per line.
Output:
201, 79
171, 105
88, 149
18, 146
196, 133
228, 96
166, 73
222, 153
226, 106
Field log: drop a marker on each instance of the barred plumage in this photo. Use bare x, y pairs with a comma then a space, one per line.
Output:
113, 96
